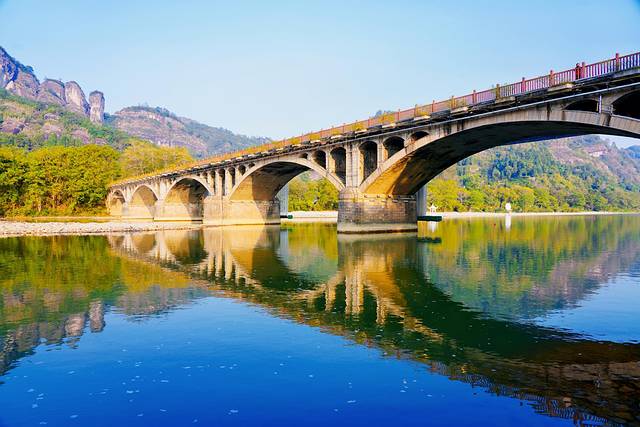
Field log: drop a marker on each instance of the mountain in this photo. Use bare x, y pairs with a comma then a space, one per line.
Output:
32, 124
163, 127
20, 80
157, 125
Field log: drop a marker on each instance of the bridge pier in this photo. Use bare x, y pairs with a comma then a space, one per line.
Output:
222, 211
363, 213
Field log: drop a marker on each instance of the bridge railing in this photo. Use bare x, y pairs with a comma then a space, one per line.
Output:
578, 73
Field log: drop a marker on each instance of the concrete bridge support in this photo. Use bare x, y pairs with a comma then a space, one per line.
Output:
222, 211
365, 213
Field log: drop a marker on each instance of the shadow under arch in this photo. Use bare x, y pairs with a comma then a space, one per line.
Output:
628, 105
264, 181
142, 203
185, 199
115, 203
407, 171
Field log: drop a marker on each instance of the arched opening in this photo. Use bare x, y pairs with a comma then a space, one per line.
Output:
320, 157
264, 183
418, 135
584, 105
339, 163
628, 105
185, 200
115, 203
393, 145
143, 203
223, 189
304, 156
232, 176
368, 158
242, 169
408, 174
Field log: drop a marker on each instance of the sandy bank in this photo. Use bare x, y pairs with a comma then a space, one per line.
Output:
18, 228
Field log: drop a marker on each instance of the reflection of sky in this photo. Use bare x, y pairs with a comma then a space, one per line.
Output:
220, 362
608, 313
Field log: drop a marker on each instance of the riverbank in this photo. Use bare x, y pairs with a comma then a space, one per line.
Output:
49, 226
21, 228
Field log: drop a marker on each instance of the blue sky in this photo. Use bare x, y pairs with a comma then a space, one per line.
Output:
281, 68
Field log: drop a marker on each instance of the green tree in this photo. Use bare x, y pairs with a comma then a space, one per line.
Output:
143, 157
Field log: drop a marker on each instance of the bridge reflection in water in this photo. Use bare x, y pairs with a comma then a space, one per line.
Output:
421, 299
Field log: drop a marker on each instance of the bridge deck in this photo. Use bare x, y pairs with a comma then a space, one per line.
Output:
548, 86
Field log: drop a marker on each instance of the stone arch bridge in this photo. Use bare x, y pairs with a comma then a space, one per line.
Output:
380, 165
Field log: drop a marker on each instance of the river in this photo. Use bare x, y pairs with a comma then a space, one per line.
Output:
472, 322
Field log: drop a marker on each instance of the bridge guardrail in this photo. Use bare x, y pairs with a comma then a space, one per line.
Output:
579, 72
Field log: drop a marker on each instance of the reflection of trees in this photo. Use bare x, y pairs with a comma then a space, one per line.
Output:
53, 288
378, 295
532, 267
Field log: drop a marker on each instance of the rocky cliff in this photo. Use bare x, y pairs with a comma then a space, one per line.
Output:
20, 80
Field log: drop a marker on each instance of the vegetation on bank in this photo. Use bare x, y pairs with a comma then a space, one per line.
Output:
533, 179
307, 194
72, 180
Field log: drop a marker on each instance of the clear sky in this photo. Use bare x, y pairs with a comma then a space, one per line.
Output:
281, 68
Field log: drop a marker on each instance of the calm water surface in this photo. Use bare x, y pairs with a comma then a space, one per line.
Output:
471, 322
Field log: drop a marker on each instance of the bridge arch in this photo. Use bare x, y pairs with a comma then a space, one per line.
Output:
338, 163
320, 157
417, 135
263, 181
392, 145
404, 173
584, 105
185, 199
115, 203
368, 158
143, 202
628, 105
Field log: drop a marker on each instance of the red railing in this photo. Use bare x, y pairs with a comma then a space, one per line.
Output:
579, 72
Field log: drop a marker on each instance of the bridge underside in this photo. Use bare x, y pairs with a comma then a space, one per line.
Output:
376, 173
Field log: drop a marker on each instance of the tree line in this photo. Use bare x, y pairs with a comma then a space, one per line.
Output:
73, 180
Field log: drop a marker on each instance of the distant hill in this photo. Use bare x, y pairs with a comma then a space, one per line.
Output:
163, 127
